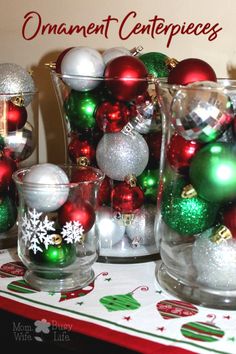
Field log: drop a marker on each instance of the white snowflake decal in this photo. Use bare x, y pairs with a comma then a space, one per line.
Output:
35, 231
72, 232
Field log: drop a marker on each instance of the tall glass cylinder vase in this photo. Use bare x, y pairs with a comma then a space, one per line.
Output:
115, 124
18, 148
197, 192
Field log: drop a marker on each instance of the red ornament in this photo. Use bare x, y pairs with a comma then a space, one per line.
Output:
78, 210
154, 143
111, 117
104, 192
180, 152
7, 167
229, 219
84, 174
79, 147
125, 70
126, 199
59, 59
191, 70
16, 116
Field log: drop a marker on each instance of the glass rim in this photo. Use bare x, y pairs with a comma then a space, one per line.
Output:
23, 170
18, 94
148, 78
222, 85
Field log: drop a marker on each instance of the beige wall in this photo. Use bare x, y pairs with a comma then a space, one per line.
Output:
220, 53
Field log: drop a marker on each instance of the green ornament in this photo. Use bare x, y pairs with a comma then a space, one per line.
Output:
213, 172
156, 63
148, 181
58, 255
80, 108
2, 143
122, 301
8, 214
185, 212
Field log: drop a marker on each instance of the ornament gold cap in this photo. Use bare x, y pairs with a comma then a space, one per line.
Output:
221, 234
171, 63
51, 65
136, 50
188, 192
18, 101
131, 180
82, 161
127, 219
56, 239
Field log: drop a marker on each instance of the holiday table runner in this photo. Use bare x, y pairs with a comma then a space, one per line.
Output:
123, 304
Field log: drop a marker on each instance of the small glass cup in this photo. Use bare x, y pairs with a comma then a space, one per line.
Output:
54, 221
18, 148
123, 138
196, 218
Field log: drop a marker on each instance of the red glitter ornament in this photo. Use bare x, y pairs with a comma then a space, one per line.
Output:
191, 70
126, 198
111, 117
129, 77
104, 192
79, 147
180, 152
78, 210
16, 116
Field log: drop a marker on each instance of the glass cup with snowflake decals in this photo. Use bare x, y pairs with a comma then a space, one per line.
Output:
57, 206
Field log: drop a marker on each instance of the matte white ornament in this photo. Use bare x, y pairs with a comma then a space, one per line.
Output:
85, 62
45, 187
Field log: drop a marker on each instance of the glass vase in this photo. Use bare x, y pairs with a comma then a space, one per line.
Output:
18, 148
197, 192
55, 216
123, 138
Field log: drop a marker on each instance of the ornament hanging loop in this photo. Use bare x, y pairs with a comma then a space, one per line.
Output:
136, 50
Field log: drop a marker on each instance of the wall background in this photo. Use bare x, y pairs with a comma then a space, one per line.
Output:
32, 54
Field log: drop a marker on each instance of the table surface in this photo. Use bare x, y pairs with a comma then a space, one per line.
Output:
124, 307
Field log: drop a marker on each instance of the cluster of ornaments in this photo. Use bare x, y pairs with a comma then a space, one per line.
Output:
16, 135
113, 123
199, 189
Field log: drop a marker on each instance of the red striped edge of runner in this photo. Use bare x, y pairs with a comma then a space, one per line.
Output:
141, 345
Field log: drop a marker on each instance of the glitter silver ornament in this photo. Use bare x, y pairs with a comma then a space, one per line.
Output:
45, 187
108, 230
20, 143
142, 227
115, 52
215, 262
119, 155
201, 112
15, 80
82, 61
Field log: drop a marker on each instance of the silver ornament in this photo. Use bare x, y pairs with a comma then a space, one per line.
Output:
85, 62
201, 112
45, 187
119, 155
215, 262
108, 230
141, 229
20, 143
15, 80
115, 52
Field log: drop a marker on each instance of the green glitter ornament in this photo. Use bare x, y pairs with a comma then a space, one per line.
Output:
156, 63
185, 212
8, 214
80, 108
2, 143
148, 181
213, 172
